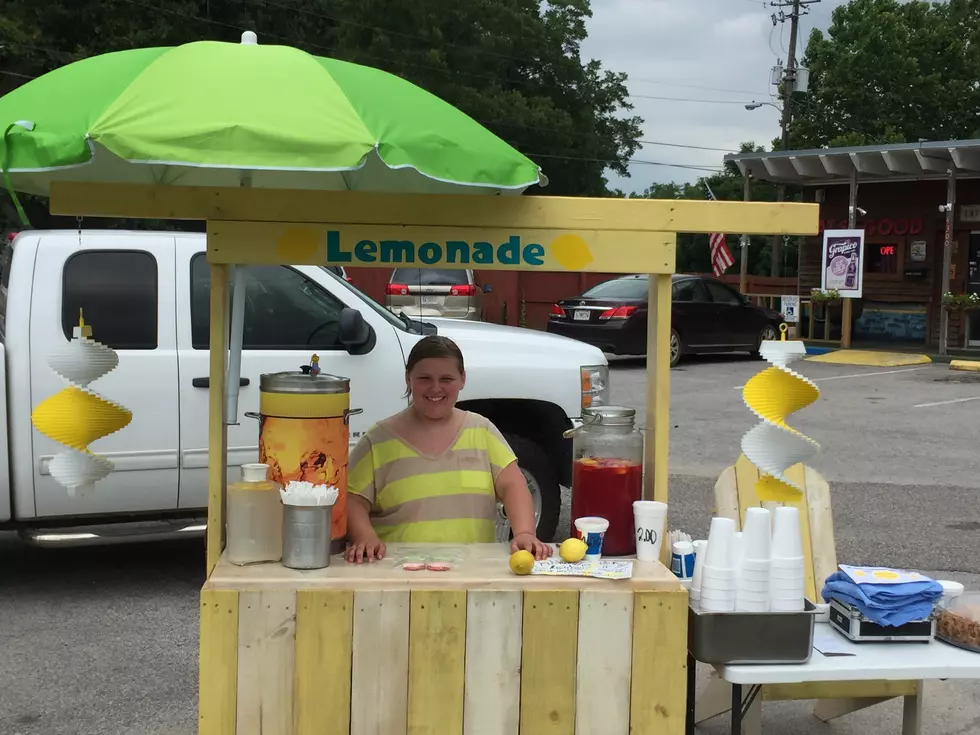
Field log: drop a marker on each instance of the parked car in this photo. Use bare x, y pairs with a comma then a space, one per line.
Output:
706, 316
146, 295
428, 292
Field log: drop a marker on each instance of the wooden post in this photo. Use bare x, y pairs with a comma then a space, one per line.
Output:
743, 265
947, 260
658, 389
217, 429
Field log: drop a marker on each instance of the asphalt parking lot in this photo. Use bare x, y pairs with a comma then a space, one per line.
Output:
104, 641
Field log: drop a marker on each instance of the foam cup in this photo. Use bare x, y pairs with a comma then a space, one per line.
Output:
649, 520
756, 534
786, 539
721, 543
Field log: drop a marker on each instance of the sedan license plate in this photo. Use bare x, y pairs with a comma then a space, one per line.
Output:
581, 315
430, 300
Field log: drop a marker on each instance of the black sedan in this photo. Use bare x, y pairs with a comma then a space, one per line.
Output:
706, 316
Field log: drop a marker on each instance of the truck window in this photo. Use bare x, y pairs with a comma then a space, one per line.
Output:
284, 310
117, 291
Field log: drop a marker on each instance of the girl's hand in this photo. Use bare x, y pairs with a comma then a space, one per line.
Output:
372, 549
530, 542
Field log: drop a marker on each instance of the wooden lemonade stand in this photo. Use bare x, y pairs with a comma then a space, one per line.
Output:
477, 650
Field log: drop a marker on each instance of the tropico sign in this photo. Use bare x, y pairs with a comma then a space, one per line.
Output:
883, 226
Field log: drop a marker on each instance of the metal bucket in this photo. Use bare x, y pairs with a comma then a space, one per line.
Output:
304, 434
306, 536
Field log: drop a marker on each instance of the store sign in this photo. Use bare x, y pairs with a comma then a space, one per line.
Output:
842, 265
970, 213
884, 226
386, 246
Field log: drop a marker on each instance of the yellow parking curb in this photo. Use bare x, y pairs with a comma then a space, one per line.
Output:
871, 358
970, 365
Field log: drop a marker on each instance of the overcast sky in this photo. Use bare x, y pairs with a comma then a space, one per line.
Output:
717, 50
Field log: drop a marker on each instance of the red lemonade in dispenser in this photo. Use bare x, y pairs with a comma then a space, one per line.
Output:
607, 488
607, 474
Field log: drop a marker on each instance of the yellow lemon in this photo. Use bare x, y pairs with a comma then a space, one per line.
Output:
572, 550
521, 562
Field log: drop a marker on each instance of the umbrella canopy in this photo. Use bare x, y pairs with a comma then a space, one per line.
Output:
224, 114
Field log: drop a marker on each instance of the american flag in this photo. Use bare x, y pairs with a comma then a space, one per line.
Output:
721, 256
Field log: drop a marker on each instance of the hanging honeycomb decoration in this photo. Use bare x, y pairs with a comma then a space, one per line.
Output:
772, 445
76, 416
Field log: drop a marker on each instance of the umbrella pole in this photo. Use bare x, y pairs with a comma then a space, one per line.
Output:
233, 386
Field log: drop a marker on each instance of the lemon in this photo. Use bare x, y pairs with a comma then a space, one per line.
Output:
572, 550
521, 562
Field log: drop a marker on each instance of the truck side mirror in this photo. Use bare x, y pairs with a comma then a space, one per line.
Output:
356, 335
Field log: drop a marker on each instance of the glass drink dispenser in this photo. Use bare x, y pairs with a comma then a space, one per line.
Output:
607, 474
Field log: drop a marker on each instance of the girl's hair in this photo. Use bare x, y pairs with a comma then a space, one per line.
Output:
434, 346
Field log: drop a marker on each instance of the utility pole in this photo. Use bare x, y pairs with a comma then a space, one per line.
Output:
799, 8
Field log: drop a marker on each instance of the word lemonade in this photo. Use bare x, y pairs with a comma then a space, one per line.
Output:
569, 251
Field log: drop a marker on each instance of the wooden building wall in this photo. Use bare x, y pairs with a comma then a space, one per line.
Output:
899, 214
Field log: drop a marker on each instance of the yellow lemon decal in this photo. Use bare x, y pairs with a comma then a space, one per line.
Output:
299, 245
571, 252
880, 574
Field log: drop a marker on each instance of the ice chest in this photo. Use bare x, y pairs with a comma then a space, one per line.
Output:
751, 638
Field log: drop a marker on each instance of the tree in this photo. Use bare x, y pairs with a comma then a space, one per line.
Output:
514, 65
891, 72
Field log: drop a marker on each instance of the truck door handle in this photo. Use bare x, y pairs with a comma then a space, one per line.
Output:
206, 382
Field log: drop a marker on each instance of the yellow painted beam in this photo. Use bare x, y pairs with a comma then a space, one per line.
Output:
217, 431
436, 655
322, 675
658, 697
218, 663
429, 210
838, 690
548, 662
383, 246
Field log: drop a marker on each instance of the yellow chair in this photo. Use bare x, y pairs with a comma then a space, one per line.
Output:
734, 492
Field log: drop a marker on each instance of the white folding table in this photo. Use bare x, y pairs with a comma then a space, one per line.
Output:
869, 662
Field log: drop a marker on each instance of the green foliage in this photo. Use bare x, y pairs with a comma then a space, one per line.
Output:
891, 72
514, 65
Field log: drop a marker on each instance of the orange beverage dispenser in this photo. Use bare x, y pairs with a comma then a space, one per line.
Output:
304, 434
607, 473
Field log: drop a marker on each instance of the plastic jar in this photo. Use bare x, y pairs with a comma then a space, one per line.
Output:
254, 530
607, 473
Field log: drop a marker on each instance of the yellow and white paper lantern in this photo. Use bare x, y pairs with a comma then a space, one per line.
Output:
772, 395
77, 416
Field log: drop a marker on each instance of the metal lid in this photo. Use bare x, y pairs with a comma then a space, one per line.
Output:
609, 415
295, 381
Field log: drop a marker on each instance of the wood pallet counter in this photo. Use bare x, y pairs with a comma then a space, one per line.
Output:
370, 648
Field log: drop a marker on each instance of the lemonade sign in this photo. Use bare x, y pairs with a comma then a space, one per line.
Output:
479, 248
570, 251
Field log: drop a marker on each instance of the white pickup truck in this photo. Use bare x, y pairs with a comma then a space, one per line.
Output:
146, 296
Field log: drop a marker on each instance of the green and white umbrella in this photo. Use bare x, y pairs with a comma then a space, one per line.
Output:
219, 114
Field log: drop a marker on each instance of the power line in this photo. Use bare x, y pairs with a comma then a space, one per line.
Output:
688, 99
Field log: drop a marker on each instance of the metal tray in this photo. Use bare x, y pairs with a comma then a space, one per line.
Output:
751, 638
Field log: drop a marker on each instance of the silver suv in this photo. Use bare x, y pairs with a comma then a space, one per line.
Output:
421, 292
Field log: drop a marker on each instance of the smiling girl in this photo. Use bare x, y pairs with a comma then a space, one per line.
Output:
433, 472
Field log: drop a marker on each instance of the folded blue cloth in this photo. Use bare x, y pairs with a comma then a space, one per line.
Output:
885, 604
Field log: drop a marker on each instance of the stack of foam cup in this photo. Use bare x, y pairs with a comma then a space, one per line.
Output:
700, 547
718, 581
786, 575
755, 563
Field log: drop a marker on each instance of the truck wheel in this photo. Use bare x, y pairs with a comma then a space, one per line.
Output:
541, 481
